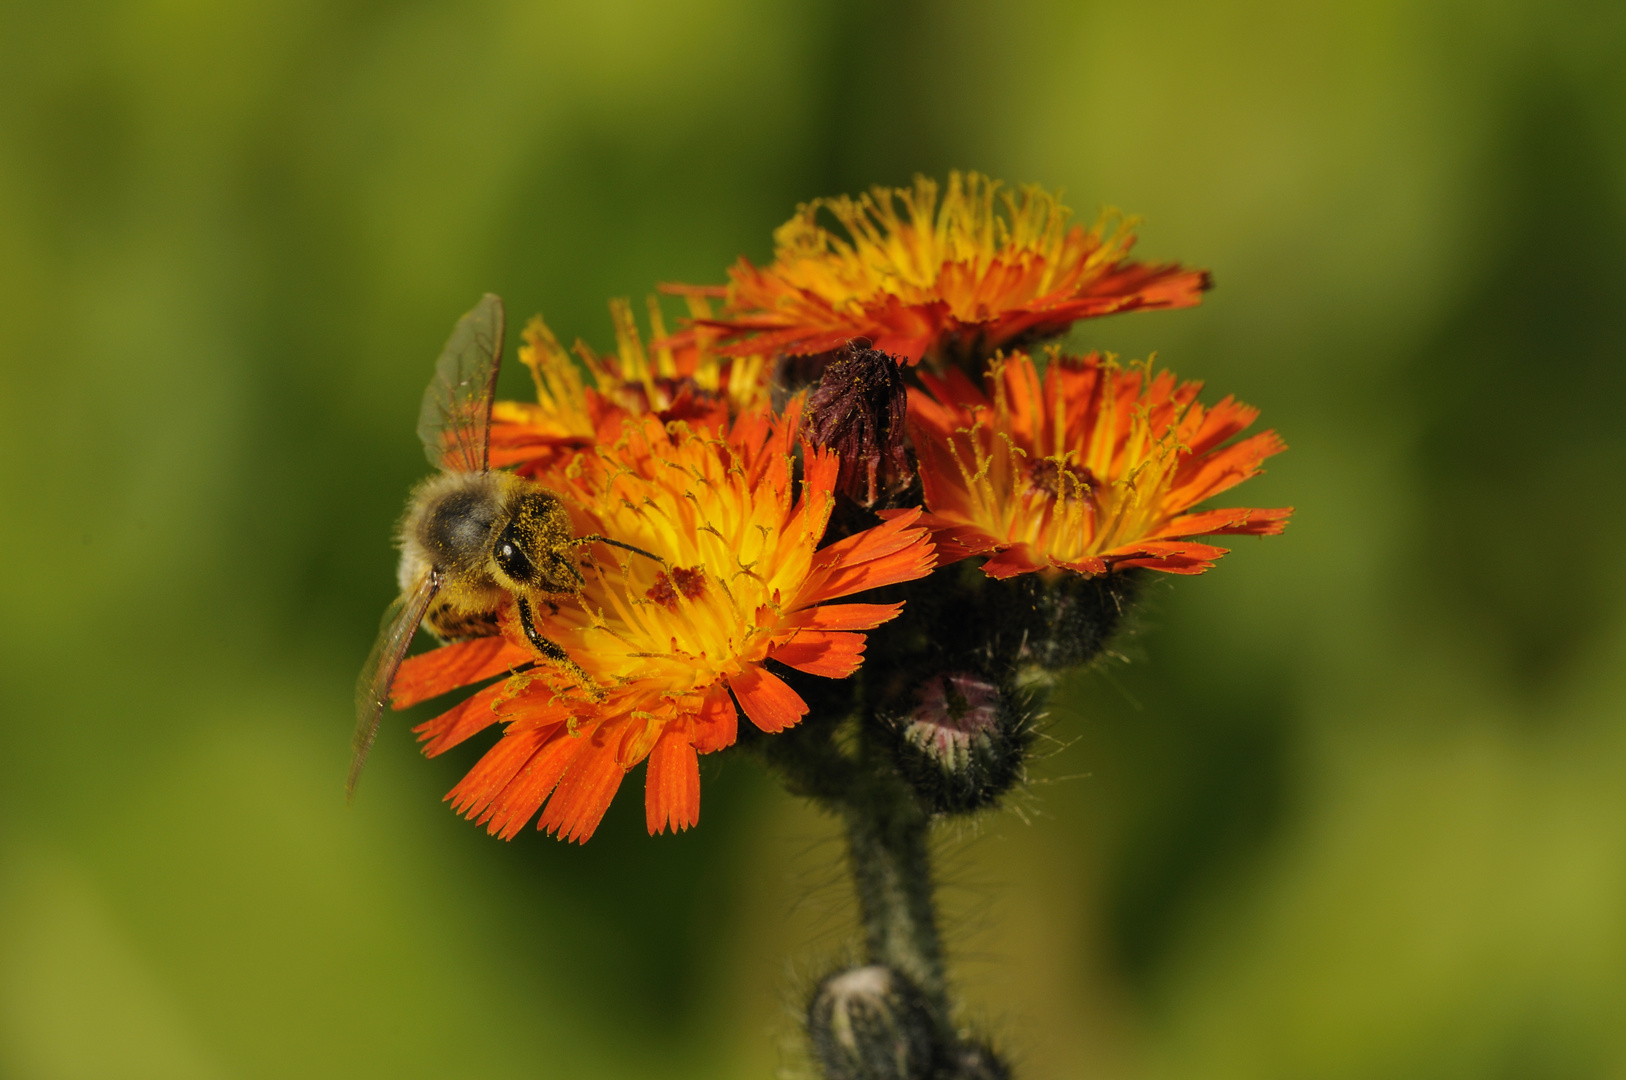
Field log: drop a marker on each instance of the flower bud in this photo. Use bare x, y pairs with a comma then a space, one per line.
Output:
965, 742
871, 1023
858, 411
975, 1061
1047, 627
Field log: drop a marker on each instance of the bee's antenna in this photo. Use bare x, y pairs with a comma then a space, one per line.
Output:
597, 539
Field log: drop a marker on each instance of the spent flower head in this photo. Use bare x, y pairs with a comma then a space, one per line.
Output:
858, 411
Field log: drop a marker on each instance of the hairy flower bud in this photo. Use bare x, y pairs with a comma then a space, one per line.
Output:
965, 742
858, 411
975, 1061
871, 1023
1066, 623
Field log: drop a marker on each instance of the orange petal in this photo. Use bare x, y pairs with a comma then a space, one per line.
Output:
466, 718
476, 791
885, 555
820, 466
844, 616
525, 792
953, 391
1249, 522
767, 701
1141, 285
579, 802
1230, 417
672, 785
953, 540
638, 738
1170, 564
820, 652
1010, 562
913, 562
1202, 478
1171, 558
882, 540
433, 673
718, 722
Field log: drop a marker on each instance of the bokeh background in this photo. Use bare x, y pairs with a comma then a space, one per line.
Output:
1354, 807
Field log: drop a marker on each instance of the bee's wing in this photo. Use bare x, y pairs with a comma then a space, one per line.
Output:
455, 421
373, 686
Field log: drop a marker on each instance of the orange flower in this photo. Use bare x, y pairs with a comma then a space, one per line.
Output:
683, 380
1095, 470
671, 648
961, 279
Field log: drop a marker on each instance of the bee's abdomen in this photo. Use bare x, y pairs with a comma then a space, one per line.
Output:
450, 624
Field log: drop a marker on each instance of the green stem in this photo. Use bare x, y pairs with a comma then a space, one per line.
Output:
891, 866
888, 849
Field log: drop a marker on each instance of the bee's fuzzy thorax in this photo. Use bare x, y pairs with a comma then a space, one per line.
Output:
465, 557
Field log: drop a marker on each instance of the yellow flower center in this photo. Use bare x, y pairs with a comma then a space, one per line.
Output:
1094, 487
736, 550
982, 250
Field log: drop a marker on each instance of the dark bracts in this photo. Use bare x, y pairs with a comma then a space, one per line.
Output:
939, 723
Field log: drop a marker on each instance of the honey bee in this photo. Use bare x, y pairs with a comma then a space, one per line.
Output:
472, 536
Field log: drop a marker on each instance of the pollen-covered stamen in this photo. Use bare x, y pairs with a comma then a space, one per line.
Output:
1061, 479
688, 582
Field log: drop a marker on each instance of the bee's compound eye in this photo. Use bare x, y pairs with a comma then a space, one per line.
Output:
513, 561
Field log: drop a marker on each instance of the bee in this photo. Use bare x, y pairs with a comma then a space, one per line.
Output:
472, 536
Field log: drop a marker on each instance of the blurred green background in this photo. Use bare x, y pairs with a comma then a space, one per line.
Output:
1357, 806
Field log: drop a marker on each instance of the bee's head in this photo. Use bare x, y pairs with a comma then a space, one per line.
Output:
532, 550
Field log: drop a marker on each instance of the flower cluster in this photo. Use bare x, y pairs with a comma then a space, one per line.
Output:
934, 431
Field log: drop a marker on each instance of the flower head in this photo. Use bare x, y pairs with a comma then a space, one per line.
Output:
1093, 469
981, 271
672, 380
671, 646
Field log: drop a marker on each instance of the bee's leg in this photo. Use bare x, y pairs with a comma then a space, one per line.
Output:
527, 621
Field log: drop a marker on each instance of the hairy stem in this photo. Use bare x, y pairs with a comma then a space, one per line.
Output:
888, 849
891, 866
